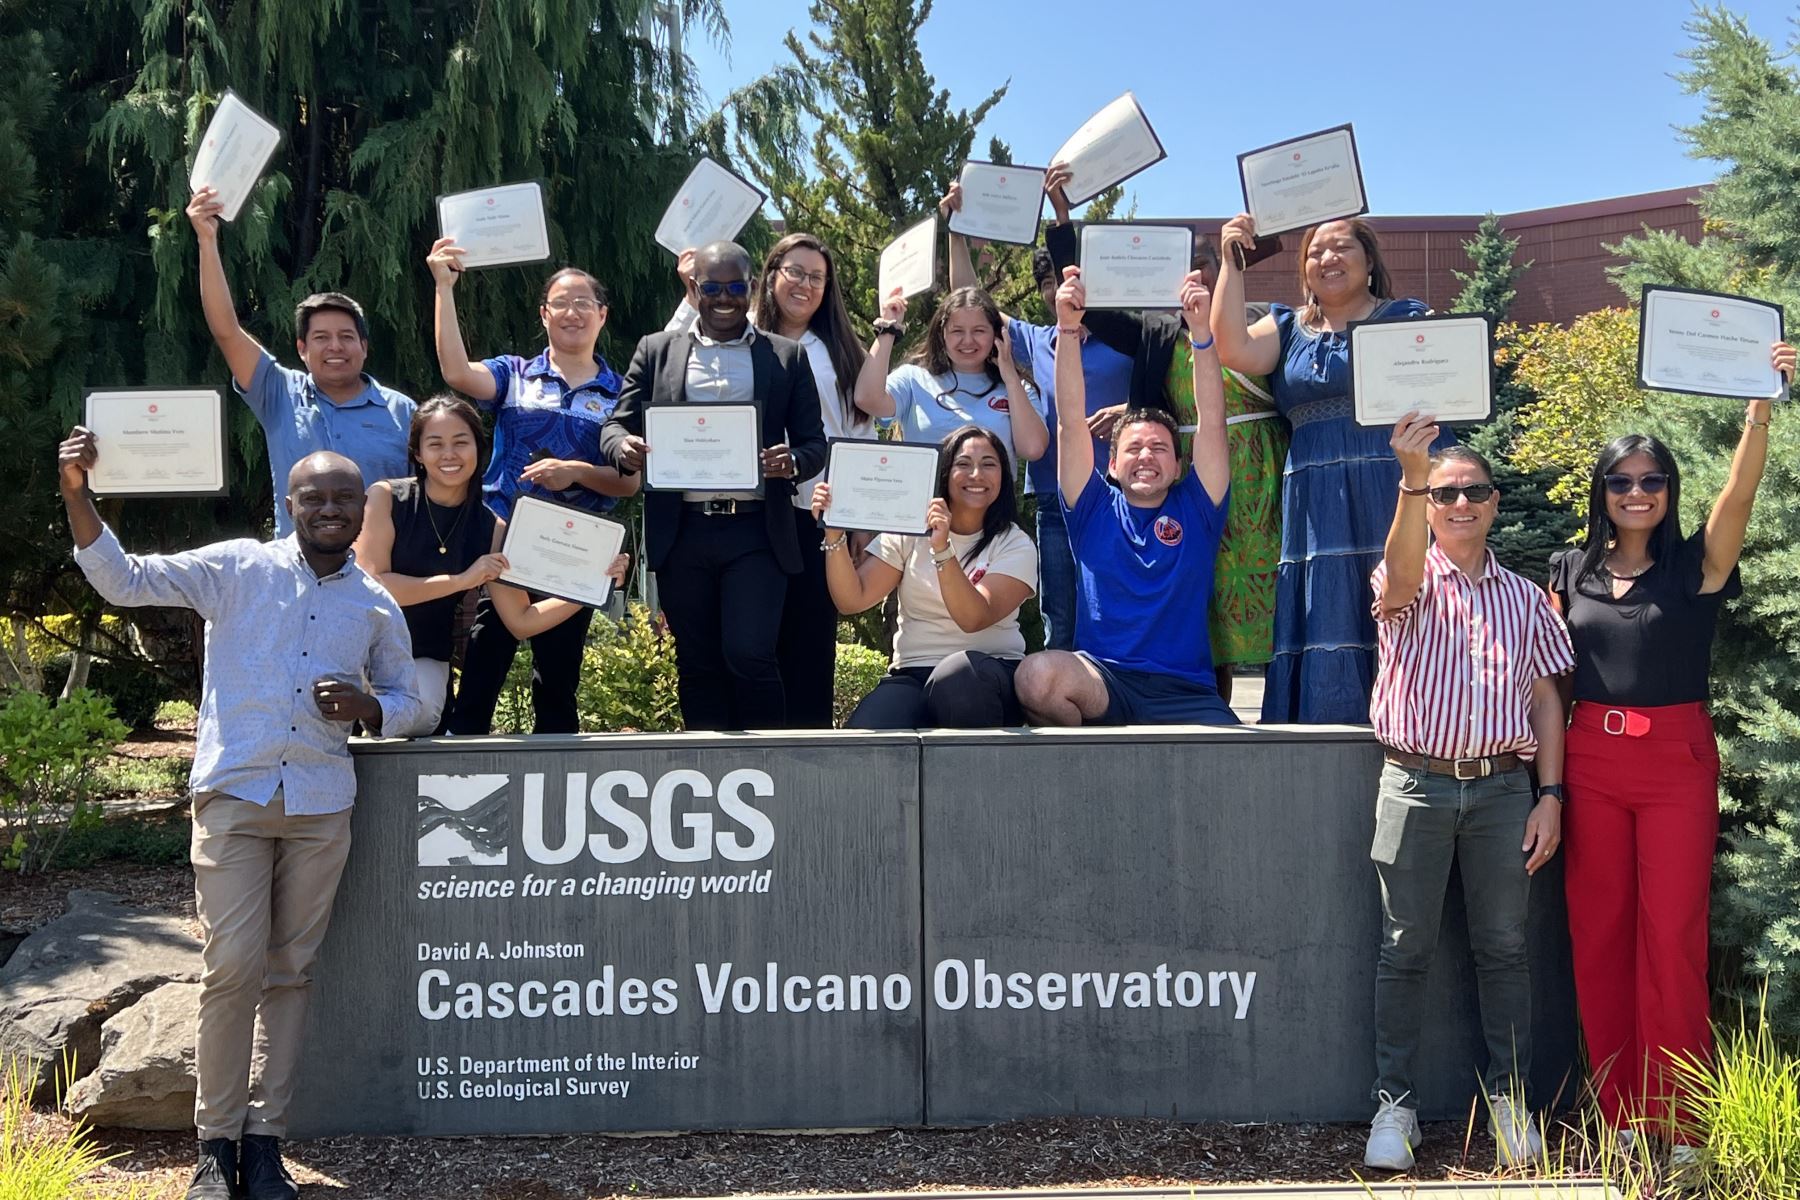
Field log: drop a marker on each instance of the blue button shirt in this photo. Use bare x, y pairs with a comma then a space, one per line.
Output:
537, 413
299, 420
276, 627
1106, 372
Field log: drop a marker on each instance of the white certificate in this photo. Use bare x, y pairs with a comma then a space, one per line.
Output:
1442, 366
497, 226
560, 551
703, 447
234, 150
1708, 345
1110, 147
880, 487
909, 262
713, 205
157, 441
1135, 266
1303, 181
1000, 203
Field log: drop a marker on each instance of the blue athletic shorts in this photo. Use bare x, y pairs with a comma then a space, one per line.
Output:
1151, 698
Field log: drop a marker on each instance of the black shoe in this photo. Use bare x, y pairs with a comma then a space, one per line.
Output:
216, 1174
265, 1178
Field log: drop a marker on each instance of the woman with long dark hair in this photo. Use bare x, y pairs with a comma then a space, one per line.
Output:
1642, 767
958, 641
429, 540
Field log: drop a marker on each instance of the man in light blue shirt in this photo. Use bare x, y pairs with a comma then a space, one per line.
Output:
293, 627
333, 404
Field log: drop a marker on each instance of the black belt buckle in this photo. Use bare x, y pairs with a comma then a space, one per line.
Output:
719, 507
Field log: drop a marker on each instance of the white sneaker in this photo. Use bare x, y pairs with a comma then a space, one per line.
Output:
1516, 1137
1682, 1156
1625, 1142
1393, 1136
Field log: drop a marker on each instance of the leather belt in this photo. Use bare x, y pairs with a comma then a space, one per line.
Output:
721, 508
1457, 768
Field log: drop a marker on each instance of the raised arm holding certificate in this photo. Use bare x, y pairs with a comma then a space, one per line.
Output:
713, 205
1437, 365
560, 551
1000, 203
880, 487
1709, 344
497, 226
1303, 181
237, 145
703, 448
157, 441
909, 263
1135, 266
1110, 147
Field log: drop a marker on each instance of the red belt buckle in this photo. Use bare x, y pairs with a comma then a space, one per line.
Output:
1629, 724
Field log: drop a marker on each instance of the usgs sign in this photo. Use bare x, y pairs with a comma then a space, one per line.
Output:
714, 931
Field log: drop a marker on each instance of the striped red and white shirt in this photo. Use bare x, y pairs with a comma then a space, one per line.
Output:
1457, 664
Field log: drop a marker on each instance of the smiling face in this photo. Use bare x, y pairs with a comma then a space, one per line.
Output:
799, 284
325, 498
724, 271
1337, 265
448, 450
1461, 523
969, 339
1144, 462
572, 315
1636, 509
976, 476
332, 348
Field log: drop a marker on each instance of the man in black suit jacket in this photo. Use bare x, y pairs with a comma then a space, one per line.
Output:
722, 560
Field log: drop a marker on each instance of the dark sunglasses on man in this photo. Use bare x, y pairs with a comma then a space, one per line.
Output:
712, 288
1477, 493
1650, 483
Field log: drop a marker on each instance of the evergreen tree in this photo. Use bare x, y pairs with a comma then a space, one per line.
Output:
1491, 283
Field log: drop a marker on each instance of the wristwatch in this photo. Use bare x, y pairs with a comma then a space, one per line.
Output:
1551, 789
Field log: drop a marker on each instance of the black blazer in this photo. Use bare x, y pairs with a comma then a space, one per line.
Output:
789, 399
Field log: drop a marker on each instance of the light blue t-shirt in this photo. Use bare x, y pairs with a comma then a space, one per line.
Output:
930, 407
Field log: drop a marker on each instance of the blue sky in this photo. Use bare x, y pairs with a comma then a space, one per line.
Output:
1459, 107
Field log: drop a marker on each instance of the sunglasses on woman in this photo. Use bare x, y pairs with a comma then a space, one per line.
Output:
1477, 493
1650, 484
712, 288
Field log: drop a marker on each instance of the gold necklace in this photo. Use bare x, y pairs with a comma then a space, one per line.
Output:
443, 547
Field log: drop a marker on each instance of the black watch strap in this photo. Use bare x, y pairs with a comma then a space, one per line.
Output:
1551, 789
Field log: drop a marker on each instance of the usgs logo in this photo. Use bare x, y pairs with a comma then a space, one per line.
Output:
681, 816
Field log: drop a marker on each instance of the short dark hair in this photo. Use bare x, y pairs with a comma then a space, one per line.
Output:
1043, 268
1457, 452
725, 253
320, 302
1206, 254
1156, 416
600, 296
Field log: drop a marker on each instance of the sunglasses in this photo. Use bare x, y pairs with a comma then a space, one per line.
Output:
1477, 493
1650, 484
712, 288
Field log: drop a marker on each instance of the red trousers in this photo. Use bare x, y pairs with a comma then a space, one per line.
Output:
1639, 832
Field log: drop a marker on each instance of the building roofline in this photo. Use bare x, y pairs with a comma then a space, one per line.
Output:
1612, 206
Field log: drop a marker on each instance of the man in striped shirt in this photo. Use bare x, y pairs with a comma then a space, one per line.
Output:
1465, 699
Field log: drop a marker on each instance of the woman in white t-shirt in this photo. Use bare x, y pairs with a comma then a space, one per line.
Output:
958, 641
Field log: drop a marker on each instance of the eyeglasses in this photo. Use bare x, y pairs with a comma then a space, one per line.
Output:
712, 289
792, 274
1477, 493
562, 308
1650, 483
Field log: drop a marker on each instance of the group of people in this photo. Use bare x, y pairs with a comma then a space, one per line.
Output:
1205, 502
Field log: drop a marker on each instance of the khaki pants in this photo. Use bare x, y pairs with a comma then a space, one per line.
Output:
264, 884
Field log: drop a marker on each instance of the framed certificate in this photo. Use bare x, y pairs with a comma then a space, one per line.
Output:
880, 487
560, 551
703, 448
713, 205
1442, 365
497, 226
157, 441
1000, 203
1708, 344
237, 145
1303, 181
1110, 147
909, 262
1135, 266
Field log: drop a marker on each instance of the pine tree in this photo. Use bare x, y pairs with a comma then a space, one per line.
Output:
1491, 283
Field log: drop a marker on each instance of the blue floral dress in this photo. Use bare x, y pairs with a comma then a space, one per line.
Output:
1338, 493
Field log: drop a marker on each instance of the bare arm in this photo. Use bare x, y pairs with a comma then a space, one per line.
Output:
1212, 460
472, 379
1074, 446
871, 394
962, 265
242, 352
1730, 518
973, 606
853, 588
1030, 436
1408, 537
1254, 349
1543, 829
375, 555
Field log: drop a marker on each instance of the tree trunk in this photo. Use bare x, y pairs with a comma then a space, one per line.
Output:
18, 653
80, 664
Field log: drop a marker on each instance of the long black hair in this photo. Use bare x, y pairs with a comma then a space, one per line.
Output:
1665, 539
1004, 511
452, 404
830, 323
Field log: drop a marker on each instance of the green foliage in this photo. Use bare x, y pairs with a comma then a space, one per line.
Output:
135, 691
143, 777
859, 669
1492, 283
153, 842
37, 1162
1746, 1106
49, 755
628, 676
1583, 383
1530, 527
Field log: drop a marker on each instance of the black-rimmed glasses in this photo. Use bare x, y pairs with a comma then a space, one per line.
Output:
1649, 483
1477, 493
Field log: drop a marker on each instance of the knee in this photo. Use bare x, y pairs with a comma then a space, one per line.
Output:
1037, 682
1406, 954
958, 694
232, 966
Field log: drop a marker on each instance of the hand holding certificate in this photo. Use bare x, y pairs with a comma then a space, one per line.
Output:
1440, 365
1000, 203
880, 487
1707, 344
713, 205
1135, 266
237, 145
909, 263
497, 226
1110, 147
703, 448
560, 551
157, 441
1303, 181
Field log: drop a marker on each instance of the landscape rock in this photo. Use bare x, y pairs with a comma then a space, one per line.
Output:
145, 1077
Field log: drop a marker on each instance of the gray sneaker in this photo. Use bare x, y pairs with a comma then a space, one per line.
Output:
1516, 1137
1393, 1135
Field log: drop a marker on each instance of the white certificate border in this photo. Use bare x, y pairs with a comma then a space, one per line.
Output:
543, 206
527, 586
1644, 320
250, 193
762, 198
1362, 189
1487, 320
151, 492
743, 493
1162, 151
904, 448
1042, 172
1081, 247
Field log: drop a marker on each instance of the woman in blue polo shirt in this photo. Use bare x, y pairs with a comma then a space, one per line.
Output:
547, 417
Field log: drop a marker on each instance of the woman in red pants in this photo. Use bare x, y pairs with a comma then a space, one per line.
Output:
1642, 767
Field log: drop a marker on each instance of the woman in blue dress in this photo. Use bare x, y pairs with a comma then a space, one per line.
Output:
1341, 482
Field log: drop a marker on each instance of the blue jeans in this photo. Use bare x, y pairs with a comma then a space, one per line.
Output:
1056, 575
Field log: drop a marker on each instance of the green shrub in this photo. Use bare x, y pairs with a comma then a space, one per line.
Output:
628, 678
136, 692
151, 842
859, 669
37, 1163
49, 759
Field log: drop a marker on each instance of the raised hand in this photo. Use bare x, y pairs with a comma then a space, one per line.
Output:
445, 261
75, 457
203, 213
1071, 299
937, 520
1238, 233
1411, 442
1196, 307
